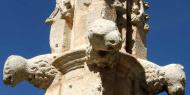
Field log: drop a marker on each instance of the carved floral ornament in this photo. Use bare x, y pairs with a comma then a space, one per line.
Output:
98, 47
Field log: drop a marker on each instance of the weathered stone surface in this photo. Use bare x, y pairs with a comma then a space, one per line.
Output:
38, 70
105, 41
61, 21
170, 78
104, 35
98, 47
129, 76
137, 28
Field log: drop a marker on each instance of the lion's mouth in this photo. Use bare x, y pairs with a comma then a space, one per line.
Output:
9, 81
102, 53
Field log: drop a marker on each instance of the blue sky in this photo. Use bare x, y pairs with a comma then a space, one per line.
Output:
23, 32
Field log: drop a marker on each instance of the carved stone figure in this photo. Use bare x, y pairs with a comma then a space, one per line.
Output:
169, 78
128, 76
37, 71
104, 36
98, 47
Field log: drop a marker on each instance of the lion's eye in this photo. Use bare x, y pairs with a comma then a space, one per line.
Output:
9, 71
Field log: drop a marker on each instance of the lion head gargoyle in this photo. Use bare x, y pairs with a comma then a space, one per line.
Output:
104, 35
170, 78
14, 70
36, 70
105, 40
175, 79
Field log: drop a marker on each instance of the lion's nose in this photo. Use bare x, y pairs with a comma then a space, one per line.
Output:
113, 41
176, 90
113, 45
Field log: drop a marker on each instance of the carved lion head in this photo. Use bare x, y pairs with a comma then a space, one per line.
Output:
14, 70
175, 77
104, 35
105, 41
